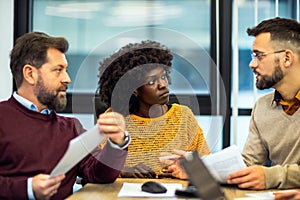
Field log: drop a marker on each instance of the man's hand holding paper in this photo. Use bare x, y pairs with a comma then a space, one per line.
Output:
252, 177
109, 125
112, 125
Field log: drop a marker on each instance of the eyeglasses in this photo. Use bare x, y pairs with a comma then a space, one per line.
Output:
158, 80
259, 56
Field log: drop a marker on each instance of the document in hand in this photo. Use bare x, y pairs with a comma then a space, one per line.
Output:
224, 162
78, 148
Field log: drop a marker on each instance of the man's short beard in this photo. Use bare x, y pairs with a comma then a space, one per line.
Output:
267, 82
50, 98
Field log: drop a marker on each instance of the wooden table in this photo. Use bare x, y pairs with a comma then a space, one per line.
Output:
110, 191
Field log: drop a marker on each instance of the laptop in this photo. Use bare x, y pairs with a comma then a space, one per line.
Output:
202, 184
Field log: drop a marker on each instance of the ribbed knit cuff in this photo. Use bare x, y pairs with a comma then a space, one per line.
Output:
275, 176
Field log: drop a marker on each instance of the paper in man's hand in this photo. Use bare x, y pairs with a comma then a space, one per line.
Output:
79, 147
224, 162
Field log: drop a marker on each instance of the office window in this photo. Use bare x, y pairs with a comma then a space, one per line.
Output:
96, 29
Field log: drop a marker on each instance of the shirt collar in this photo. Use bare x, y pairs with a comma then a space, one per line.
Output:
278, 97
28, 104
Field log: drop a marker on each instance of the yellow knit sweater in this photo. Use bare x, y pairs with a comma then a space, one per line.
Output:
176, 129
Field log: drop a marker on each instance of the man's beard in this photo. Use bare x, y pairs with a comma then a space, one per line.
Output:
267, 82
51, 99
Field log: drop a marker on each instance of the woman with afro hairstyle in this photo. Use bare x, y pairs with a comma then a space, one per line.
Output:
134, 81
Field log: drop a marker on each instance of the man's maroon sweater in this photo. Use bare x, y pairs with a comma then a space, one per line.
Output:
32, 143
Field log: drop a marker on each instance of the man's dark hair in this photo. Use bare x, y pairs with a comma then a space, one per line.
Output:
133, 59
281, 30
31, 48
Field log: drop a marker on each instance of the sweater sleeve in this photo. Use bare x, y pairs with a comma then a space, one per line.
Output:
200, 143
282, 177
103, 165
13, 188
198, 140
254, 152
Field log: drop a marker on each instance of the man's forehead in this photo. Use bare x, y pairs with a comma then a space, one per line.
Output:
262, 41
55, 54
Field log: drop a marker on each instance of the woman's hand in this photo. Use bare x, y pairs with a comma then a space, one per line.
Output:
138, 171
172, 162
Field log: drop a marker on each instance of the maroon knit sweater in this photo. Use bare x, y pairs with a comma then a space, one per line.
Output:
32, 143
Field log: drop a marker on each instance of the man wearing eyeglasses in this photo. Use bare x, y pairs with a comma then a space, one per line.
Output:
272, 150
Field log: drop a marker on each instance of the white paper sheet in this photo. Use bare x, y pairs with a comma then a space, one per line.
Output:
134, 190
224, 162
262, 195
268, 195
79, 147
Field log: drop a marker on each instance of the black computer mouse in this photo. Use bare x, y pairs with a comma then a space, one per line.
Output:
153, 187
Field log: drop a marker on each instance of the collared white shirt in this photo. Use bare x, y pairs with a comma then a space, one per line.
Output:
28, 104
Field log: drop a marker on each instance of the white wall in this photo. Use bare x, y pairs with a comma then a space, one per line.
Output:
6, 35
